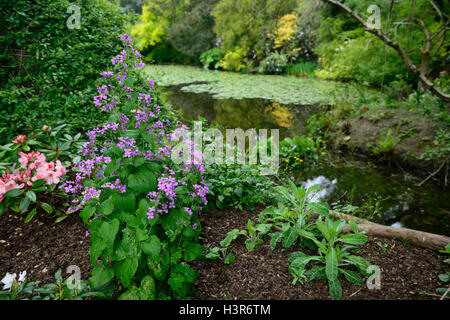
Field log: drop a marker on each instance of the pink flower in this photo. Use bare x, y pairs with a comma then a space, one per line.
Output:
20, 139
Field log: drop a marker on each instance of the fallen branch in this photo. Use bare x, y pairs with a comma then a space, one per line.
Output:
434, 173
415, 237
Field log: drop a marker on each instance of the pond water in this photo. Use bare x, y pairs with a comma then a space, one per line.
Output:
391, 193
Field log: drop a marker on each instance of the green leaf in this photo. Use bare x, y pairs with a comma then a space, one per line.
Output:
31, 195
97, 247
24, 204
352, 276
38, 183
175, 281
148, 288
108, 231
111, 167
100, 276
48, 208
229, 259
125, 270
125, 202
13, 193
191, 251
106, 207
331, 264
232, 235
276, 237
320, 208
30, 215
353, 238
316, 272
290, 236
132, 293
443, 277
152, 247
335, 289
143, 182
85, 214
361, 263
353, 226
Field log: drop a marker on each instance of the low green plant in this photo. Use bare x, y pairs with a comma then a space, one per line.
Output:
238, 186
275, 63
210, 57
302, 69
445, 277
221, 252
69, 289
332, 257
385, 144
295, 151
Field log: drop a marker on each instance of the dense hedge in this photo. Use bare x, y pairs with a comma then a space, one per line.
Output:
47, 70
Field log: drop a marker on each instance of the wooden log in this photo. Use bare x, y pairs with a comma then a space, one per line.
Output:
415, 237
418, 238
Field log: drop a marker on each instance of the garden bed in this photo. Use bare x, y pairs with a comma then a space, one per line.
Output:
41, 247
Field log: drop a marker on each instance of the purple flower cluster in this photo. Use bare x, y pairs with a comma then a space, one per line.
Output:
112, 138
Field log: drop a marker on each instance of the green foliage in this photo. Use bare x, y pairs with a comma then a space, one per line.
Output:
209, 57
302, 69
386, 143
275, 63
295, 151
296, 226
53, 141
445, 277
244, 24
48, 70
238, 186
233, 60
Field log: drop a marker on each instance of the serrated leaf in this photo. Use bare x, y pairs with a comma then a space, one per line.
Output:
335, 289
353, 238
85, 214
290, 236
331, 264
352, 276
125, 270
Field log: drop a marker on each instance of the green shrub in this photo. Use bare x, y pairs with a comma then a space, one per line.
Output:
48, 70
238, 186
275, 63
233, 60
210, 57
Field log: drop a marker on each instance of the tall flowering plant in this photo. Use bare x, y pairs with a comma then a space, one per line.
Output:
141, 205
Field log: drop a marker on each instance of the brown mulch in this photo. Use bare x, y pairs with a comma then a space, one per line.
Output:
41, 247
407, 272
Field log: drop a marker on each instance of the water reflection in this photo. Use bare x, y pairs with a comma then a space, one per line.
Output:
401, 202
241, 113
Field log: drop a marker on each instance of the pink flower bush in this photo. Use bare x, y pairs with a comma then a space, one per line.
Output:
33, 167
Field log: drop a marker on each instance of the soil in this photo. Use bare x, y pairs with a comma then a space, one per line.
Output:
359, 133
41, 247
407, 272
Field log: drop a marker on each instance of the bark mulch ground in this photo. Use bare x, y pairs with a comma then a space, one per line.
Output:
41, 247
407, 272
